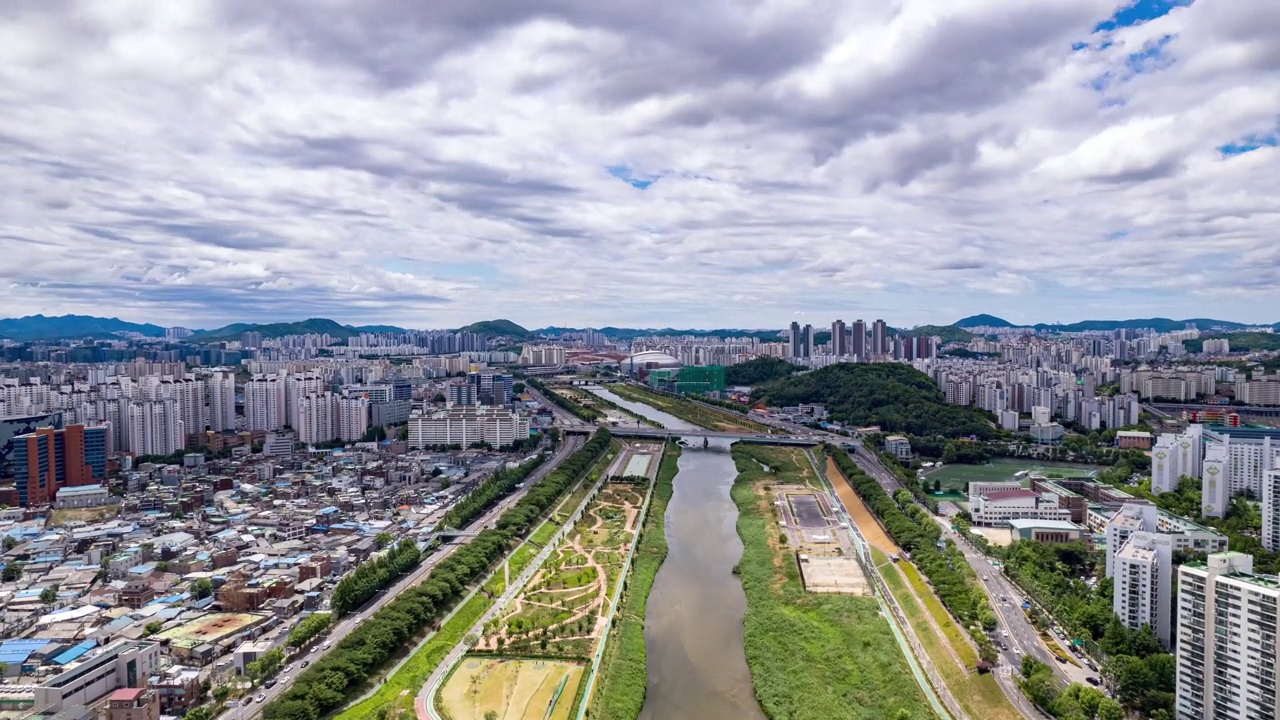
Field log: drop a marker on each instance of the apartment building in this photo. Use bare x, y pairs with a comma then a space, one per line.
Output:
1143, 576
1226, 630
465, 425
1175, 455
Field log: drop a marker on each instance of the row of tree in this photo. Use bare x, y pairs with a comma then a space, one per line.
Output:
894, 396
327, 684
370, 577
309, 629
1059, 577
493, 488
916, 532
1077, 702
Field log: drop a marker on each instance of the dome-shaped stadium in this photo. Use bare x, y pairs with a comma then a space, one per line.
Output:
648, 360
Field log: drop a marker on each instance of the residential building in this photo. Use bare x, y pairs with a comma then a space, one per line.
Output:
1226, 630
1175, 456
879, 338
898, 446
858, 340
220, 390
133, 704
1271, 510
264, 403
1259, 391
466, 425
1143, 576
839, 339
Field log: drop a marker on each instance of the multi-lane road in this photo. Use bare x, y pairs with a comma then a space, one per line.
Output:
245, 712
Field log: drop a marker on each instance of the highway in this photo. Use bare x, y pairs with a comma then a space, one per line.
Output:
344, 628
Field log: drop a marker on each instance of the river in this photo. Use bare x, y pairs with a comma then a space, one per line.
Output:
693, 627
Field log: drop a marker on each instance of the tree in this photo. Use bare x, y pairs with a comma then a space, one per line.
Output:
937, 485
12, 572
49, 595
384, 539
221, 693
10, 542
152, 628
490, 715
202, 588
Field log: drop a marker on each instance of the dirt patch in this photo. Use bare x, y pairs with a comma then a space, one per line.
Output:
859, 511
514, 689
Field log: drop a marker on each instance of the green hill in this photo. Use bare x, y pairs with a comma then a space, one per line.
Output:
758, 371
501, 326
41, 327
896, 397
983, 320
275, 330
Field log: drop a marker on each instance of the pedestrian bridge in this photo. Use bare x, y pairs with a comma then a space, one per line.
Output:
665, 434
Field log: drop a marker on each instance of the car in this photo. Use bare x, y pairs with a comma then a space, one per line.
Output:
269, 683
261, 697
305, 663
1060, 659
1004, 633
1092, 681
284, 679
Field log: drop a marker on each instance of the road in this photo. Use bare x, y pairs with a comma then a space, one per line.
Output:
344, 628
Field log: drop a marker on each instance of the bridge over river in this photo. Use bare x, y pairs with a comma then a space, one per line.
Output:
663, 434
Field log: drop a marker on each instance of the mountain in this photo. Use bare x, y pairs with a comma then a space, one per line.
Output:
39, 327
275, 330
948, 333
624, 333
380, 329
983, 320
501, 326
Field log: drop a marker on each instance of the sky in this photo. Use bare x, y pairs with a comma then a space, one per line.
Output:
640, 163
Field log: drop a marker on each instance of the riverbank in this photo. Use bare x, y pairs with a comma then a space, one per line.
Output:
812, 656
704, 416
623, 674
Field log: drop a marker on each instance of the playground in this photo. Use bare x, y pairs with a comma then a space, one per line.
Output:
512, 689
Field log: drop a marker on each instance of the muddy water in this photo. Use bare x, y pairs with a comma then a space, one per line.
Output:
669, 421
693, 626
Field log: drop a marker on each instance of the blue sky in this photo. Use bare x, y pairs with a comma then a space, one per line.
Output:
640, 163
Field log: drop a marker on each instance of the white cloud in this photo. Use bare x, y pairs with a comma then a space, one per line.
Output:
433, 164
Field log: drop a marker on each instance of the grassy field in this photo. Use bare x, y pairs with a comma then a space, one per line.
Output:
954, 477
397, 693
689, 411
812, 657
623, 675
513, 689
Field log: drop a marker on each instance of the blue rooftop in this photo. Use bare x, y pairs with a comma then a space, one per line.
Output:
75, 653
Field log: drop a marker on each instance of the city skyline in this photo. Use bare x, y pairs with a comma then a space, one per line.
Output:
196, 162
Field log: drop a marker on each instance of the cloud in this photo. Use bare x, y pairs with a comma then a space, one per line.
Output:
657, 163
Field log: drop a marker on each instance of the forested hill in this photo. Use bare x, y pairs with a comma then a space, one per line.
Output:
758, 371
896, 397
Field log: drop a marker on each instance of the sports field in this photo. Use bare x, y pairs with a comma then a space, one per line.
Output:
514, 689
954, 477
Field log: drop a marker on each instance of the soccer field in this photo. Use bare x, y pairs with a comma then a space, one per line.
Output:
954, 477
514, 689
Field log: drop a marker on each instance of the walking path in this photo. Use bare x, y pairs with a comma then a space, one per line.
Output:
424, 703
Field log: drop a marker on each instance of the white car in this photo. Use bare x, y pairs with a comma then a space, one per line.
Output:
260, 697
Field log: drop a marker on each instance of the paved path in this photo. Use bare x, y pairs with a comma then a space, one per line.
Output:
424, 703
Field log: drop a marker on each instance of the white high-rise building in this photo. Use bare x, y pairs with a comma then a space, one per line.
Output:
353, 418
1226, 656
1143, 577
189, 393
315, 417
297, 387
264, 407
220, 389
1132, 518
1215, 489
1271, 510
154, 427
1174, 456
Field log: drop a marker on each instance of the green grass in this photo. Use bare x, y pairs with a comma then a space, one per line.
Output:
687, 410
544, 533
953, 477
411, 676
812, 656
955, 634
623, 675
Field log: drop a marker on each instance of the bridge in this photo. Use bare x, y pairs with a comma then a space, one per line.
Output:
665, 434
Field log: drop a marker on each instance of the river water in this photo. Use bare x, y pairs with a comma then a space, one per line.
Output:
693, 627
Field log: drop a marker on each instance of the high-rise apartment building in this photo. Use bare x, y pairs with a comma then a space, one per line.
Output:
801, 340
297, 387
858, 340
1226, 630
220, 389
839, 339
1271, 509
461, 394
880, 338
315, 418
154, 427
1143, 576
264, 407
1174, 456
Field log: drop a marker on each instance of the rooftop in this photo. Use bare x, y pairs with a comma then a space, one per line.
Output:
1020, 524
1011, 495
209, 628
127, 694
